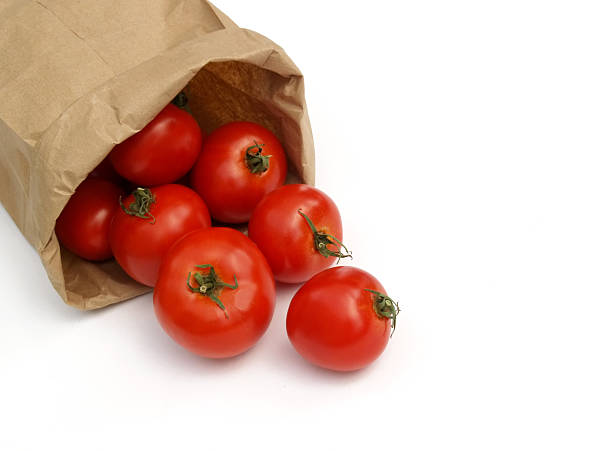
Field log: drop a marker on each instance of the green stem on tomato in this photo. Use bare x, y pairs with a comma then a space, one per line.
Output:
385, 307
323, 240
209, 284
143, 199
256, 161
181, 100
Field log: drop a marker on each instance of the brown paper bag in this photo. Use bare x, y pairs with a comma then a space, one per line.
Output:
76, 78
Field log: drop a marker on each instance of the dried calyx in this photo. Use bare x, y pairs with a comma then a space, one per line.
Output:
209, 284
257, 162
323, 241
385, 307
143, 199
181, 101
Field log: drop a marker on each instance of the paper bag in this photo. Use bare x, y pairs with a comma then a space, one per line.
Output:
76, 78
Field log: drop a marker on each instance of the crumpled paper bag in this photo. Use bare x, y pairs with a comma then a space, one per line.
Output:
76, 78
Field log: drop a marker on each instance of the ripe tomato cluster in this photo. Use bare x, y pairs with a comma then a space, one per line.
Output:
214, 287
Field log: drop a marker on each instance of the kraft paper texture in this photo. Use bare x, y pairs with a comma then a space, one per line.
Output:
77, 78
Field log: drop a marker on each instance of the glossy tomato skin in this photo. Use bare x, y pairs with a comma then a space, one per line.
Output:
84, 223
139, 244
162, 152
332, 323
194, 321
283, 234
223, 179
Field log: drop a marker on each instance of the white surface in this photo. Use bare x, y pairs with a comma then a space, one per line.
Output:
467, 145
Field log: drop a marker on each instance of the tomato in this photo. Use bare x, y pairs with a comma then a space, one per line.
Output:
299, 230
149, 222
106, 171
341, 319
83, 225
162, 152
215, 293
240, 163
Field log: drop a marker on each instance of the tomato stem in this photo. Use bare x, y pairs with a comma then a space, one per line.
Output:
255, 160
322, 240
181, 100
143, 198
385, 307
209, 284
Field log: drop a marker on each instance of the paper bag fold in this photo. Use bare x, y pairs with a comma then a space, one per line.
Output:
76, 79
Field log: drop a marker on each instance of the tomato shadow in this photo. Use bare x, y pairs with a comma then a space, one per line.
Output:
193, 362
286, 291
282, 355
302, 371
169, 353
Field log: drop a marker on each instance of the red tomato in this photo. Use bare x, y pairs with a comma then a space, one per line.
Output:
299, 230
106, 171
162, 152
341, 319
240, 163
215, 293
151, 221
83, 225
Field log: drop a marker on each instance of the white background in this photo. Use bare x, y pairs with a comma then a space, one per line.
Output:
468, 146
